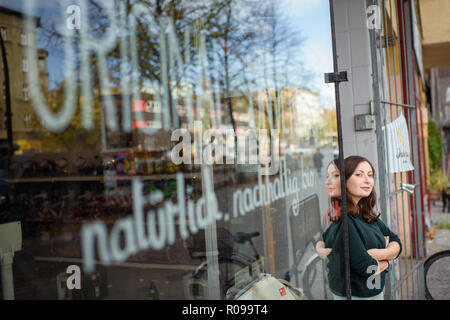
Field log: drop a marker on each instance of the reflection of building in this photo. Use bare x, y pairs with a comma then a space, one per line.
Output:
25, 133
118, 139
308, 110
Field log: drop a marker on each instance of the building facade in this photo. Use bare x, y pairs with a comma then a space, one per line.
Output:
25, 134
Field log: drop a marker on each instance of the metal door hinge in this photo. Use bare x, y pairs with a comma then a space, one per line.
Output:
383, 41
336, 77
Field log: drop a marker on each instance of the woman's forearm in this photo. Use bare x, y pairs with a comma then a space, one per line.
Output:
391, 251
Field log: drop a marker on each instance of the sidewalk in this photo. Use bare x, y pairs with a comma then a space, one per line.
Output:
441, 239
437, 280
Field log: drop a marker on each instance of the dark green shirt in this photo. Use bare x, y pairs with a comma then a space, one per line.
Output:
362, 237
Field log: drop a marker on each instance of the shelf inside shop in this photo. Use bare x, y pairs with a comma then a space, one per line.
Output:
81, 221
53, 220
129, 264
68, 221
167, 176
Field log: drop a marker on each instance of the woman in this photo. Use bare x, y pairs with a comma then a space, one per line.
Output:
333, 183
371, 244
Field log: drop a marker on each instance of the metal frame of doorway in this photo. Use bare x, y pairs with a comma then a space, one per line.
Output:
393, 67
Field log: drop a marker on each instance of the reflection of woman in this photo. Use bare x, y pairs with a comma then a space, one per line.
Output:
371, 243
333, 189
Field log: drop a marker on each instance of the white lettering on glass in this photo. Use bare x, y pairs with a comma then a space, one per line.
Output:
374, 18
374, 280
73, 21
139, 10
54, 122
122, 30
161, 224
74, 280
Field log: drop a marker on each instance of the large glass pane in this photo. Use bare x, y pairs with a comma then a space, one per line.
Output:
170, 149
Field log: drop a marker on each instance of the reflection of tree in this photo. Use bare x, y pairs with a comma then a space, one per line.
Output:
195, 16
257, 49
281, 45
328, 128
330, 124
259, 58
74, 137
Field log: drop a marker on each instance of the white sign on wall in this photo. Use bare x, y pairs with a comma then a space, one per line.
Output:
399, 152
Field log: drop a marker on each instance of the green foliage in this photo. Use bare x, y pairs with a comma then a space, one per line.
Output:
434, 145
444, 225
74, 137
438, 180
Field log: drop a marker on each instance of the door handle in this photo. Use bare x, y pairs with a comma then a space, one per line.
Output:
410, 188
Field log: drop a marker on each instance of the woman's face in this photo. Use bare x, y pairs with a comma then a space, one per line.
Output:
333, 182
361, 182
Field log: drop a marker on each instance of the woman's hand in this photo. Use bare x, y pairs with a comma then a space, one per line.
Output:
382, 256
324, 252
382, 265
321, 250
379, 254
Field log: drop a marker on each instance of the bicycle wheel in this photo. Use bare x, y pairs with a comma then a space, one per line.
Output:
198, 288
313, 280
437, 276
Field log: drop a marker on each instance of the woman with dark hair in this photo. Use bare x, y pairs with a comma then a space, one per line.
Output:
371, 243
333, 189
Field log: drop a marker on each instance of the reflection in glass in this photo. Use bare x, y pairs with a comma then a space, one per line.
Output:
221, 85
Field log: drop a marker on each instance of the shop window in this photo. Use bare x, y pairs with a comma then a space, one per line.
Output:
3, 32
24, 64
26, 92
23, 39
41, 64
84, 185
27, 120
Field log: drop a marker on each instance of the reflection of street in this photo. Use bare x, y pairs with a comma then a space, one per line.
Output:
279, 213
